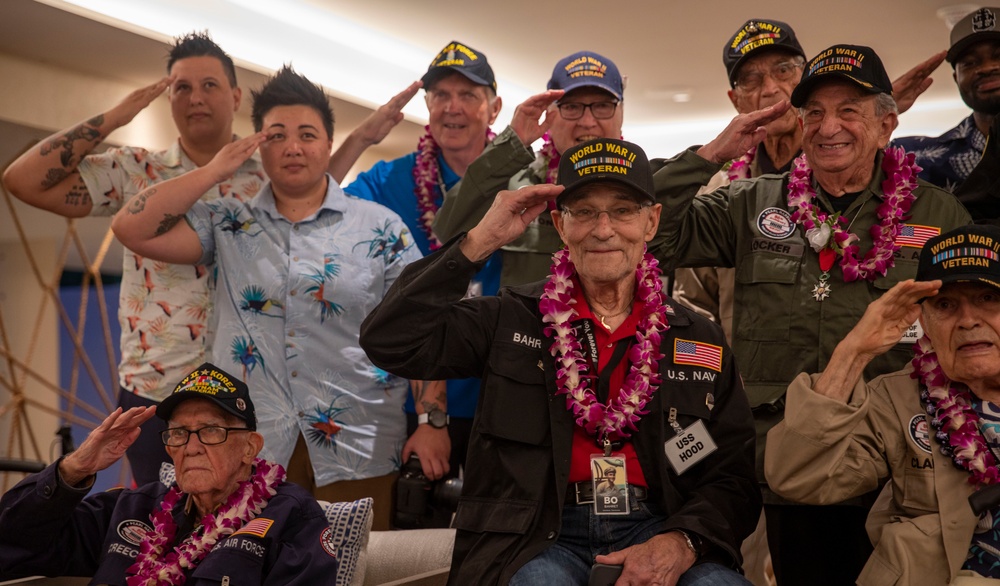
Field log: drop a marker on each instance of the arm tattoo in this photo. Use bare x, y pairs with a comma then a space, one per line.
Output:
138, 202
88, 131
168, 222
78, 194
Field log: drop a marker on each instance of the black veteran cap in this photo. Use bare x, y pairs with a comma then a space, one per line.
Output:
605, 159
855, 63
980, 25
755, 36
587, 69
465, 60
970, 253
216, 385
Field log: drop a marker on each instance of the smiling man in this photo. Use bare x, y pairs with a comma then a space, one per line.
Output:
230, 514
583, 102
929, 430
949, 159
299, 267
812, 249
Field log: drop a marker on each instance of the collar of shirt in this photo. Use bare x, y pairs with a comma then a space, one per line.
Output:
334, 201
604, 337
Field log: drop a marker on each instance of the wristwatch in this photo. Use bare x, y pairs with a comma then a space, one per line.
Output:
693, 541
436, 417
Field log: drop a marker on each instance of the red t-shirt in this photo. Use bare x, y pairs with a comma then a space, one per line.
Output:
585, 445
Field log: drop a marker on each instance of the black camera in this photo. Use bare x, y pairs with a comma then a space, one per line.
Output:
421, 502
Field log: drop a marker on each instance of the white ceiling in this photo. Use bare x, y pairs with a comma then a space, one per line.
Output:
662, 47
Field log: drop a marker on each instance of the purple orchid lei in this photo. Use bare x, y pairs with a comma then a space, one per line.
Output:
155, 566
949, 405
426, 176
643, 378
740, 168
826, 230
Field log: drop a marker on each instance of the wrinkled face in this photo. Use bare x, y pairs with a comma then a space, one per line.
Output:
460, 112
963, 323
977, 74
841, 132
764, 80
297, 151
201, 100
213, 471
569, 133
606, 250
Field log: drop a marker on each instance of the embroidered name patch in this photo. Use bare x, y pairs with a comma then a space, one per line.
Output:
258, 527
919, 432
783, 248
775, 223
698, 354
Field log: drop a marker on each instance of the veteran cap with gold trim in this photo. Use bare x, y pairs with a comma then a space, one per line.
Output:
605, 159
587, 69
756, 36
461, 58
966, 254
855, 63
211, 383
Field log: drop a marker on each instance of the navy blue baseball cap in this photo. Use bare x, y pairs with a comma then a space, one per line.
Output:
587, 69
211, 383
463, 59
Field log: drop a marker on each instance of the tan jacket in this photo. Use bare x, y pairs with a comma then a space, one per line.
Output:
826, 451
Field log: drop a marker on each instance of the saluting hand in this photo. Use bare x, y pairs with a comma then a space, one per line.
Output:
229, 158
105, 445
377, 125
743, 132
527, 121
507, 219
907, 87
123, 112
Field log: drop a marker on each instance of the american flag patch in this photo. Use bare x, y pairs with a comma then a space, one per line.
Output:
698, 354
256, 527
915, 235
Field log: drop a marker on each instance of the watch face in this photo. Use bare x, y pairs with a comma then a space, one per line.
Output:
437, 418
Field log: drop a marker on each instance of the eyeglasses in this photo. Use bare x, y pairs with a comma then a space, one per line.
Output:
750, 81
575, 110
622, 214
209, 435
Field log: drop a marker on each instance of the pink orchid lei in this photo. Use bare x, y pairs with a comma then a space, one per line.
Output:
155, 566
643, 378
546, 164
740, 168
427, 177
825, 231
950, 406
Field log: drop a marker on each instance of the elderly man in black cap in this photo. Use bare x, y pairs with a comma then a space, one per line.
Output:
592, 368
929, 430
230, 517
812, 249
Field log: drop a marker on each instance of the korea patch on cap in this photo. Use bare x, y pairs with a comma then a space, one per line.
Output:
754, 37
211, 383
587, 69
966, 254
606, 159
854, 63
464, 59
979, 25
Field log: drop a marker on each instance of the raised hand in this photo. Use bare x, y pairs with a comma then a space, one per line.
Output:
907, 87
105, 445
507, 218
889, 316
743, 132
123, 112
230, 157
377, 125
527, 121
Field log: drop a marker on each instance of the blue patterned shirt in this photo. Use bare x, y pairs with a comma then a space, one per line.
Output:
289, 304
947, 159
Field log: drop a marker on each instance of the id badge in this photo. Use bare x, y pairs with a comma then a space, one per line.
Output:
689, 446
610, 485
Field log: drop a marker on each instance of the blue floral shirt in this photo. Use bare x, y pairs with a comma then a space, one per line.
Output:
947, 159
289, 303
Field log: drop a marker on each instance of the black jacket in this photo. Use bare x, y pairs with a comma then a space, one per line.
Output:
519, 454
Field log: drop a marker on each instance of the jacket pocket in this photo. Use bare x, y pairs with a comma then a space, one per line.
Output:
514, 401
767, 280
495, 515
